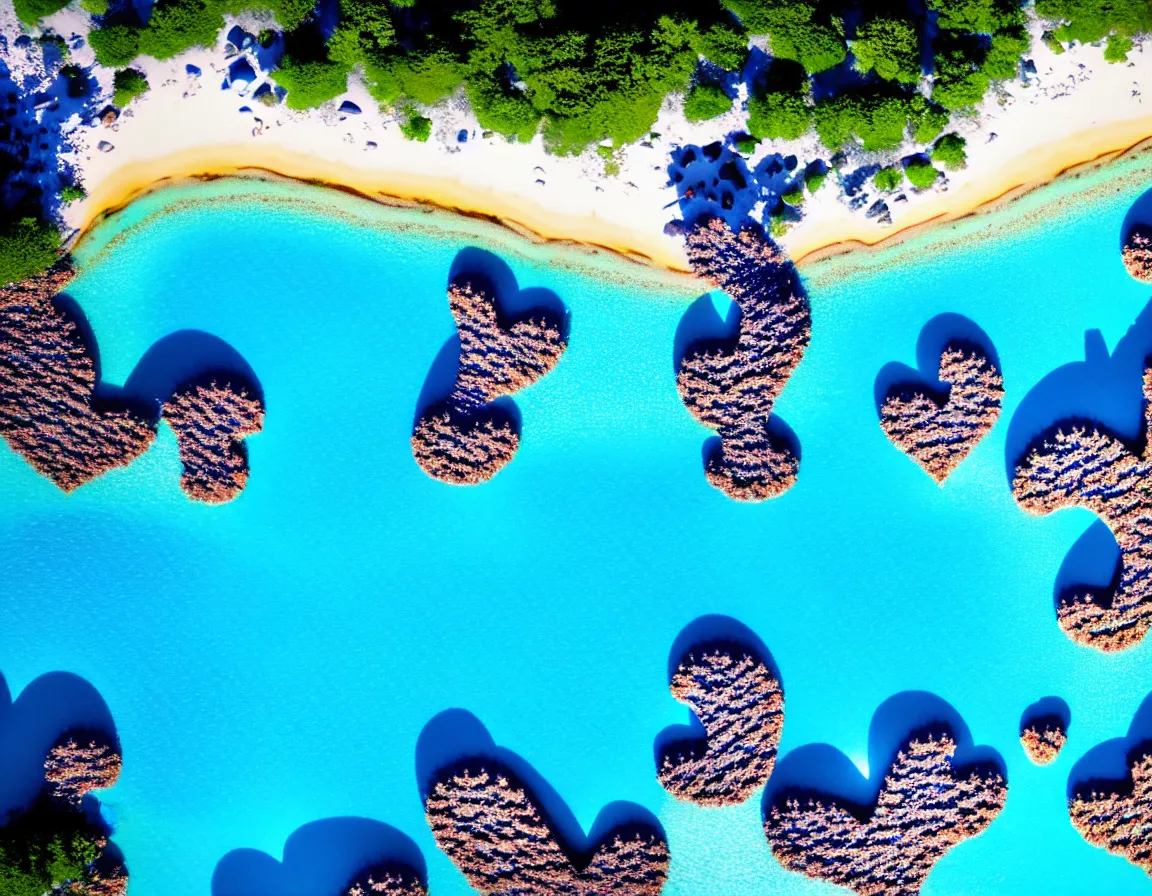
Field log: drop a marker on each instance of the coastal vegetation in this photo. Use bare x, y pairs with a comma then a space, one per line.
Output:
127, 84
28, 246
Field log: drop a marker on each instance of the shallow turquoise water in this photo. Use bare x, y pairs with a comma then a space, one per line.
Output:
272, 662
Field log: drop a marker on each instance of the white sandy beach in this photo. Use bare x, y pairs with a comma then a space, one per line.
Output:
1074, 109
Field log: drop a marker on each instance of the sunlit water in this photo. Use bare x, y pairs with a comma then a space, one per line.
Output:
272, 662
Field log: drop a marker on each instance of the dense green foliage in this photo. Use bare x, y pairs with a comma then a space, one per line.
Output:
778, 116
890, 47
706, 101
949, 151
417, 127
1089, 21
72, 193
44, 847
878, 120
1117, 48
311, 82
27, 247
115, 45
96, 7
814, 180
127, 84
888, 179
921, 174
794, 196
746, 144
31, 11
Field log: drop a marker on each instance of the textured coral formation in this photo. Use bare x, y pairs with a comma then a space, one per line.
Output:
74, 769
1043, 739
211, 421
47, 377
110, 882
925, 808
1137, 253
1120, 821
938, 435
1081, 467
731, 388
493, 831
467, 440
740, 703
387, 881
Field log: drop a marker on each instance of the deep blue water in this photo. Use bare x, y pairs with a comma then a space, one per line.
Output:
270, 664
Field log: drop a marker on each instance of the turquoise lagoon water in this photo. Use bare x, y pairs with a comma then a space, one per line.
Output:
272, 663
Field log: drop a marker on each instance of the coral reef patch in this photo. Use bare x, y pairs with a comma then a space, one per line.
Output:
925, 807
388, 880
492, 828
48, 409
1079, 465
467, 439
1043, 740
938, 432
1118, 818
1137, 253
731, 386
740, 703
211, 421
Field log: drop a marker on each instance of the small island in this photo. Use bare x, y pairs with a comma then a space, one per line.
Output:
1043, 740
211, 421
1137, 253
1078, 466
387, 881
492, 829
1119, 818
466, 439
926, 806
740, 703
731, 386
938, 433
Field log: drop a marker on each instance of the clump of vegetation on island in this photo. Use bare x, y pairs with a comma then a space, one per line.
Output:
127, 84
28, 246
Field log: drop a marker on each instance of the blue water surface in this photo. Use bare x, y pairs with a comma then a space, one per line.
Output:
271, 663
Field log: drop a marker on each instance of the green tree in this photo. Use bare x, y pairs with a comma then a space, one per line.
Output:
949, 151
921, 174
115, 45
778, 116
416, 126
28, 247
814, 180
1089, 21
179, 25
890, 47
1117, 48
888, 179
311, 83
127, 84
32, 11
705, 101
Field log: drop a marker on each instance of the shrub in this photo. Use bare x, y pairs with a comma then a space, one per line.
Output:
1052, 42
290, 14
928, 120
508, 112
115, 45
95, 7
814, 180
745, 144
888, 179
921, 174
794, 196
778, 225
179, 25
890, 47
879, 120
127, 84
416, 127
32, 11
796, 32
27, 247
705, 101
1117, 48
1089, 21
722, 45
778, 116
73, 193
311, 83
611, 162
949, 151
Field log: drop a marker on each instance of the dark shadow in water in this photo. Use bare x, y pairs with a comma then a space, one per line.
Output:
1046, 711
52, 706
1139, 213
188, 356
487, 271
1105, 767
1092, 567
935, 335
701, 634
455, 740
820, 771
702, 326
321, 858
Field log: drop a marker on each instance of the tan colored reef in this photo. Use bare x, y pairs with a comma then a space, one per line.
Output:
1118, 821
211, 423
385, 882
47, 410
74, 770
740, 703
1137, 253
466, 440
1081, 467
939, 435
1043, 740
493, 831
113, 882
732, 387
924, 809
